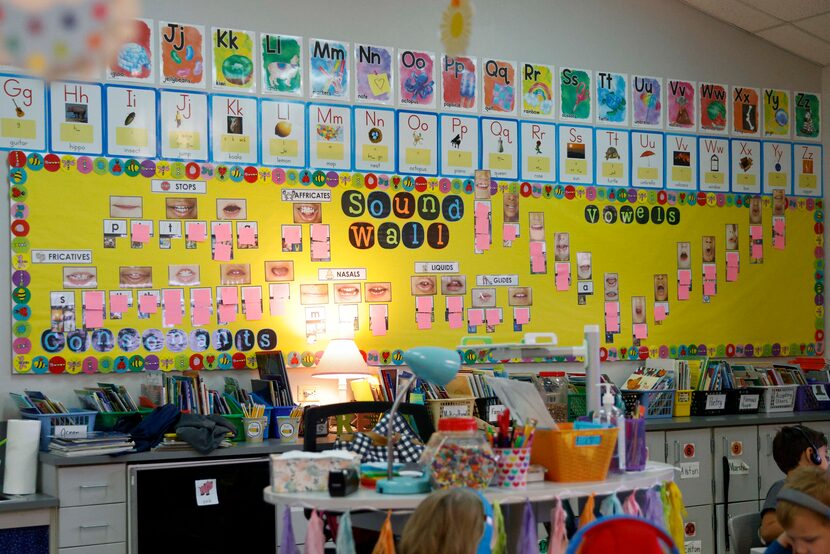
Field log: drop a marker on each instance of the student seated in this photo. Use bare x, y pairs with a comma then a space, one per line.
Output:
804, 512
793, 447
451, 521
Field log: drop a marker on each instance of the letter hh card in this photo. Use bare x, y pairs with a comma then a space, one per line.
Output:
131, 122
77, 118
235, 131
576, 151
417, 143
538, 151
283, 127
22, 114
459, 145
374, 139
184, 125
330, 136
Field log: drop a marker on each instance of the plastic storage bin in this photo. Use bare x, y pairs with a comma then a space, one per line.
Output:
806, 399
577, 405
50, 422
658, 403
682, 403
708, 402
450, 407
743, 401
488, 408
778, 398
106, 421
571, 456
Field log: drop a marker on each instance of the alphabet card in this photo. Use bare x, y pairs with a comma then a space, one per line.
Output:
282, 123
182, 55
680, 105
776, 113
610, 96
746, 119
22, 114
714, 164
417, 143
500, 147
576, 150
575, 94
416, 72
613, 149
330, 136
647, 159
374, 78
746, 166
282, 64
538, 90
807, 115
538, 152
459, 145
499, 87
184, 125
374, 139
234, 53
681, 159
235, 129
777, 167
647, 102
329, 69
131, 122
713, 116
458, 83
76, 118
136, 57
809, 176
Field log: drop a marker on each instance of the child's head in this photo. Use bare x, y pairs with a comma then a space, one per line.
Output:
449, 521
799, 446
805, 514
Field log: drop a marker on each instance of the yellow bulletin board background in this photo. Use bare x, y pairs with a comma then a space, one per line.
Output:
771, 308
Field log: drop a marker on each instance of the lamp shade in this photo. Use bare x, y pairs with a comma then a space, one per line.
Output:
433, 364
341, 356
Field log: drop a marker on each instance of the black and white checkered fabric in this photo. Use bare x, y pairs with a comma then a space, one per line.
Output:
407, 450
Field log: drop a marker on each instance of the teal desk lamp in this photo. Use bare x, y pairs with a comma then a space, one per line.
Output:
433, 365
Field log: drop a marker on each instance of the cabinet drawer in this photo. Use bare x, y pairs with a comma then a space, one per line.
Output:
83, 525
111, 548
85, 485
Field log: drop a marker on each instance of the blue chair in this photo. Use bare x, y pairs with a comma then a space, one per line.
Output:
621, 534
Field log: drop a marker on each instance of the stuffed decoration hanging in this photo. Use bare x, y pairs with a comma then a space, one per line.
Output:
653, 508
500, 545
345, 540
610, 506
386, 541
288, 545
455, 27
315, 539
676, 513
528, 539
587, 515
630, 506
558, 543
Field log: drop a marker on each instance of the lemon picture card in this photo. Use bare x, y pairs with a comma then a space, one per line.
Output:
612, 160
22, 113
131, 121
713, 167
538, 90
183, 125
538, 151
374, 76
76, 118
330, 136
777, 173
283, 128
282, 64
374, 140
459, 145
500, 147
416, 74
808, 174
745, 166
647, 159
576, 151
681, 162
234, 129
417, 143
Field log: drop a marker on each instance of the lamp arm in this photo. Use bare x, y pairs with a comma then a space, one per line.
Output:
390, 448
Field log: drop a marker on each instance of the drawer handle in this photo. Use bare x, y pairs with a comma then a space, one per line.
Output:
98, 526
95, 486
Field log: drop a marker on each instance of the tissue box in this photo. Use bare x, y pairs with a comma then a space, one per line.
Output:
309, 471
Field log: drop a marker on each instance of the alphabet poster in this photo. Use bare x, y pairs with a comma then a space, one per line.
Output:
283, 125
459, 144
807, 116
374, 138
418, 143
713, 108
235, 133
136, 59
374, 76
776, 113
234, 55
459, 83
183, 125
22, 113
611, 95
329, 69
746, 166
613, 151
282, 64
538, 148
538, 85
808, 169
330, 136
746, 111
681, 161
77, 117
777, 167
499, 87
182, 54
647, 159
576, 154
681, 105
575, 94
714, 164
416, 71
131, 121
647, 102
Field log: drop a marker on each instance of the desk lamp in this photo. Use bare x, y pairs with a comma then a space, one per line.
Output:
433, 365
342, 361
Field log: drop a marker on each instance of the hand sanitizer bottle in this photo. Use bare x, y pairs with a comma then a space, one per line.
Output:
612, 416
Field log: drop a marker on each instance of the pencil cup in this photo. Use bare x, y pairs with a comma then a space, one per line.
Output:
289, 428
254, 428
512, 467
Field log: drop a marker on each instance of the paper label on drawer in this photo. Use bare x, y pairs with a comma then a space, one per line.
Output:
206, 494
749, 402
455, 411
783, 398
738, 467
821, 393
690, 470
693, 547
716, 402
70, 431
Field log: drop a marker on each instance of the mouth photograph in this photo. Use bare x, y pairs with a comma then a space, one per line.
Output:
307, 213
181, 208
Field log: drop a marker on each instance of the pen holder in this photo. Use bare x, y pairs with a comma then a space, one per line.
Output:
288, 428
254, 428
511, 468
636, 453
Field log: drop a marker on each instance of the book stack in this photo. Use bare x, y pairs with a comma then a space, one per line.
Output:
106, 398
94, 444
36, 400
651, 378
273, 385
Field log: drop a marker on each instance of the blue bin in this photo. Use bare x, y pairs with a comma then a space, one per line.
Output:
48, 422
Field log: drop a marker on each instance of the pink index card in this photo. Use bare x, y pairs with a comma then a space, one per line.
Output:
377, 314
659, 312
222, 252
456, 320
227, 313
683, 292
778, 242
319, 250
709, 288
493, 316
509, 231
292, 234
482, 242
423, 303
94, 300
172, 307
201, 315
731, 273
424, 320
684, 277
201, 298
253, 310
251, 294
756, 232
732, 259
612, 324
222, 231
230, 296
710, 272
522, 315
563, 267
319, 232
119, 303
778, 225
94, 318
611, 309
482, 225
475, 317
197, 231
537, 248
141, 232
537, 264
562, 281
482, 210
147, 304
278, 306
757, 251
455, 303
246, 236
640, 331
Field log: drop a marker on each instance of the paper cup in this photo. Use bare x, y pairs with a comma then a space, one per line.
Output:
288, 428
512, 467
254, 428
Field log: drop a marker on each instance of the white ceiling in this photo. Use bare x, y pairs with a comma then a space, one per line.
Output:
799, 26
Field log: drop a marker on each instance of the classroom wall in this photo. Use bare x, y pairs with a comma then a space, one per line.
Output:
657, 37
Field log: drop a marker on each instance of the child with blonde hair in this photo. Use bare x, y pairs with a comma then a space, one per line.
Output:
804, 511
451, 521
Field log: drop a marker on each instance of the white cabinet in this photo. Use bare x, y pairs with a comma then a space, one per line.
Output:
737, 447
656, 444
690, 451
699, 530
767, 468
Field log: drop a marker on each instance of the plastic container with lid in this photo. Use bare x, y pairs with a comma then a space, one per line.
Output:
459, 455
553, 386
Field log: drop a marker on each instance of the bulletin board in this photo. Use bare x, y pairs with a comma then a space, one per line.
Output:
286, 258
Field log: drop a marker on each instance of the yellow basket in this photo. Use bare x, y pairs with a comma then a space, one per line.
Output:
571, 456
682, 403
450, 407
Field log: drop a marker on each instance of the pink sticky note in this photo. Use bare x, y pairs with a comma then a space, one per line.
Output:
611, 309
253, 310
684, 277
424, 320
94, 318
141, 232
227, 313
280, 291
201, 298
612, 324
423, 303
94, 300
222, 231
537, 248
251, 294
455, 303
493, 316
659, 312
377, 315
482, 225
119, 303
562, 281
482, 210
640, 331
246, 236
732, 259
731, 273
230, 296
757, 251
683, 292
709, 288
319, 232
482, 242
147, 304
563, 267
778, 225
277, 307
201, 315
292, 234
172, 296
710, 272
537, 264
475, 317
456, 320
778, 242
756, 232
509, 231
197, 232
319, 250
222, 252
173, 315
522, 315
